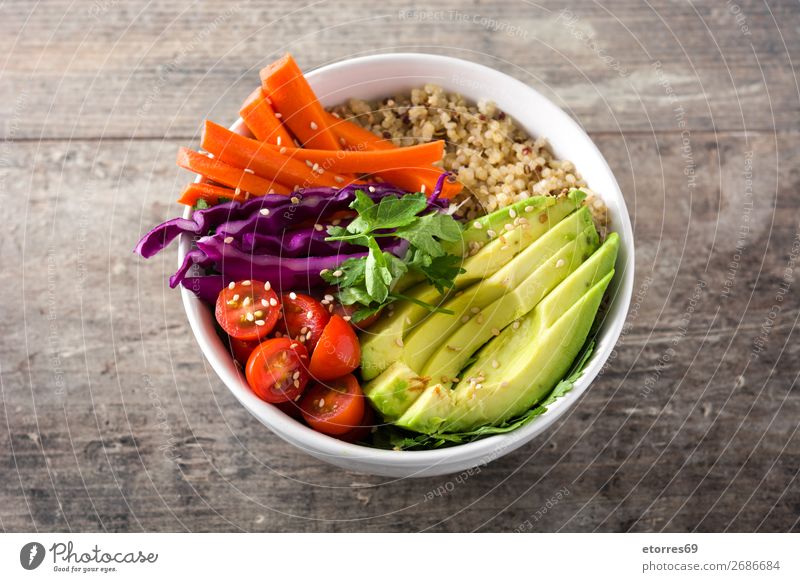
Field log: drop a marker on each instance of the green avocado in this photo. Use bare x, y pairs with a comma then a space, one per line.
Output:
521, 366
380, 345
446, 363
438, 327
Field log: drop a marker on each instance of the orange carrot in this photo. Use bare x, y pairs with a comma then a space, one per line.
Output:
413, 179
212, 194
260, 119
225, 174
293, 98
264, 159
362, 162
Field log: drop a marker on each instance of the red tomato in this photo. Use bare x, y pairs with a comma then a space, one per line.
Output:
338, 351
304, 318
241, 349
277, 370
349, 310
360, 432
247, 310
334, 408
290, 409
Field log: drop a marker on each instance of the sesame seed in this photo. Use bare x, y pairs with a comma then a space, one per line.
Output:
314, 126
273, 302
246, 282
338, 179
328, 297
503, 384
295, 200
309, 314
495, 364
508, 226
529, 209
278, 115
341, 141
308, 336
283, 150
210, 156
267, 285
491, 233
278, 140
559, 263
504, 247
321, 402
495, 331
296, 375
303, 330
454, 348
231, 285
422, 189
235, 297
475, 310
515, 325
347, 318
292, 346
246, 301
228, 240
465, 319
371, 188
337, 273
336, 221
296, 383
264, 302
260, 322
249, 316
324, 271
479, 319
301, 339
399, 342
318, 227
237, 191
477, 225
315, 167
248, 171
292, 295
264, 211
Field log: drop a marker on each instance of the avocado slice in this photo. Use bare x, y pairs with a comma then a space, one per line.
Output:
521, 366
446, 363
380, 345
437, 328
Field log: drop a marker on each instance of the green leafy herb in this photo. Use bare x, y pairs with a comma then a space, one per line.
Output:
393, 437
369, 281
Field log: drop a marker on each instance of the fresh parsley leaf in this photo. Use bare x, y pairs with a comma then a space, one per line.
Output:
423, 233
439, 271
352, 273
200, 204
390, 212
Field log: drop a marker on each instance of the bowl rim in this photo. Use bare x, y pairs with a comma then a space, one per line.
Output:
483, 449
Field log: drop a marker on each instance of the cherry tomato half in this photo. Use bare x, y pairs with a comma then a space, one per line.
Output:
247, 310
349, 310
277, 370
304, 318
360, 432
338, 351
241, 349
335, 407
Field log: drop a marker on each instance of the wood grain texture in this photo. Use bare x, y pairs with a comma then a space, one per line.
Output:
111, 419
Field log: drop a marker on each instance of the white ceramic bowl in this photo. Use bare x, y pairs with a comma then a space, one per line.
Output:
382, 76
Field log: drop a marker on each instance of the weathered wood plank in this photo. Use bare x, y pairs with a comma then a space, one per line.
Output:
115, 422
116, 69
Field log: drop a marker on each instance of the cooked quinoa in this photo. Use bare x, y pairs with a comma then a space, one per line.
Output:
497, 162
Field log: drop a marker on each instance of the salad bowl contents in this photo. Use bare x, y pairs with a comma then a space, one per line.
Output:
401, 281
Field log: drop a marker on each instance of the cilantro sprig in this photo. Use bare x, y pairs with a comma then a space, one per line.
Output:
369, 281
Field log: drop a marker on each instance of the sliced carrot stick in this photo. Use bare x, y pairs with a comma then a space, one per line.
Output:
293, 98
208, 192
362, 162
223, 173
259, 117
212, 194
354, 136
264, 159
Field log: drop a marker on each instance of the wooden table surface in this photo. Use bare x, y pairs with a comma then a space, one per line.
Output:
112, 420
